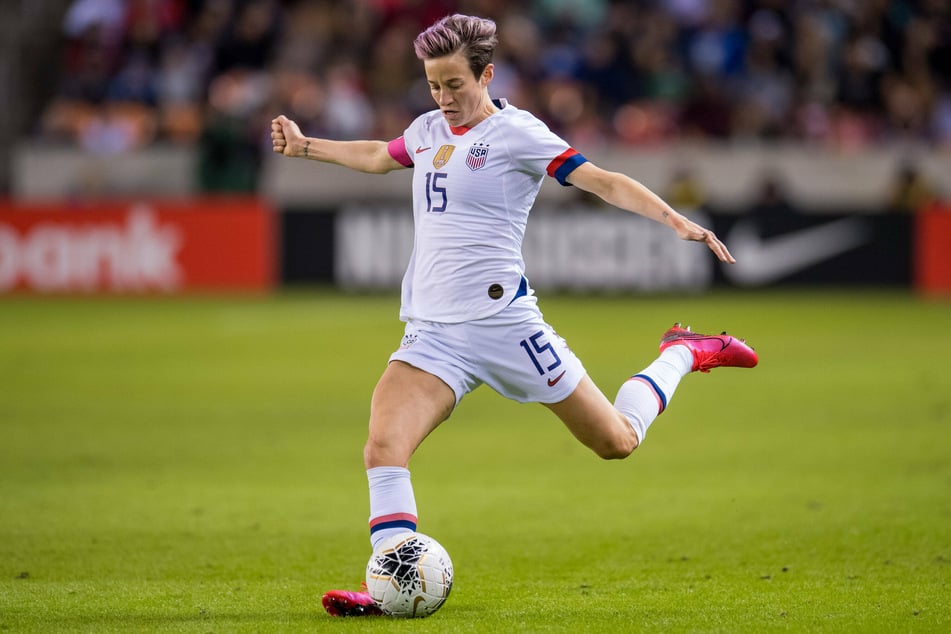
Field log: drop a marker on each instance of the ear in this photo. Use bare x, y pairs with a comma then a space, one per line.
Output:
487, 75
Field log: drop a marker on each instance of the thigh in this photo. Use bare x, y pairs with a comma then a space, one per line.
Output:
408, 404
593, 420
441, 350
521, 357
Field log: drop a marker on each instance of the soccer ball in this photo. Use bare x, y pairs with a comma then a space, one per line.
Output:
409, 575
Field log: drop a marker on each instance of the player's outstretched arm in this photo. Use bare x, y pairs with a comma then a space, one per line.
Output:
623, 191
365, 156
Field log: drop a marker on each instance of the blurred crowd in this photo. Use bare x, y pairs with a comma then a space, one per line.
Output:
842, 73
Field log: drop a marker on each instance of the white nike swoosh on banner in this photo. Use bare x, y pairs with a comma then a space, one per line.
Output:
761, 261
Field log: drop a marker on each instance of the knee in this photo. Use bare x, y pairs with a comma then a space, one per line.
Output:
374, 451
381, 450
617, 447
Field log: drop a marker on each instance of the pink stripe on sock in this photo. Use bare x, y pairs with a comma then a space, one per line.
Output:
392, 517
660, 403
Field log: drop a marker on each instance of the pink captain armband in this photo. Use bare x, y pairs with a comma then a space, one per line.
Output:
397, 149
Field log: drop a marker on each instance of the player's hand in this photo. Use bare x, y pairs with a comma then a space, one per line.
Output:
689, 230
286, 137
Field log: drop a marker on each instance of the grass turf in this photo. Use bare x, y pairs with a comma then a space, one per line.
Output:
195, 465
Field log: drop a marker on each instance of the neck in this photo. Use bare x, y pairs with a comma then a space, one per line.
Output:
487, 110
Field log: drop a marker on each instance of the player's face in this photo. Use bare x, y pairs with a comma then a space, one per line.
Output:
463, 99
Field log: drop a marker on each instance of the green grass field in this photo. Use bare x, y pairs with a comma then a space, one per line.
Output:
195, 465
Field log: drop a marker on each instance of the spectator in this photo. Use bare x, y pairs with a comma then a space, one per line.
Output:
773, 211
911, 191
826, 72
685, 192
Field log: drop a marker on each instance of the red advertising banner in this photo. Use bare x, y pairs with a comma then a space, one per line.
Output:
137, 246
933, 249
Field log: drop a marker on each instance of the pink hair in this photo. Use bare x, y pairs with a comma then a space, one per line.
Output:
472, 36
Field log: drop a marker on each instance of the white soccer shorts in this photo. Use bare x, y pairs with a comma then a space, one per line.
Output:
514, 352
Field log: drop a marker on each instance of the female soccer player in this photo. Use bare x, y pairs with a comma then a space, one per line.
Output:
471, 316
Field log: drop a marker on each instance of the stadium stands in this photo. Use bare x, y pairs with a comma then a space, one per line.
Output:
612, 76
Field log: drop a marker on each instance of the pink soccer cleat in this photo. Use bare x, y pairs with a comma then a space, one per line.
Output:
346, 603
711, 351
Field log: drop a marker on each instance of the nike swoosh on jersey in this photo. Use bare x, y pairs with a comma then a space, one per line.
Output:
422, 149
762, 261
552, 382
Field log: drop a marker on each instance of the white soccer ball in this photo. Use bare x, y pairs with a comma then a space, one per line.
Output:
409, 575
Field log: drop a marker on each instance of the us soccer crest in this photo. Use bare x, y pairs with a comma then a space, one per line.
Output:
478, 154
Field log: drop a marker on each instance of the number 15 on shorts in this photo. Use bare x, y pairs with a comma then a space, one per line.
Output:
540, 354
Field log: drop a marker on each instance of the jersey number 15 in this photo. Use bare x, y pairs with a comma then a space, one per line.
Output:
434, 190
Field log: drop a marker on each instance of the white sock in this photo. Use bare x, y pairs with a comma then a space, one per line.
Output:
392, 503
646, 394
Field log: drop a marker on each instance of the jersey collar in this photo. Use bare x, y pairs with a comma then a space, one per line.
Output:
459, 130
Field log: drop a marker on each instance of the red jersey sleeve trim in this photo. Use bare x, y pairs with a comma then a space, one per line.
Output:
564, 164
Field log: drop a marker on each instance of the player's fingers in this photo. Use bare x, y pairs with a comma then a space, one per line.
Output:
717, 246
278, 140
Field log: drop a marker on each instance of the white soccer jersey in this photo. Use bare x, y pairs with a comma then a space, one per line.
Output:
472, 191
